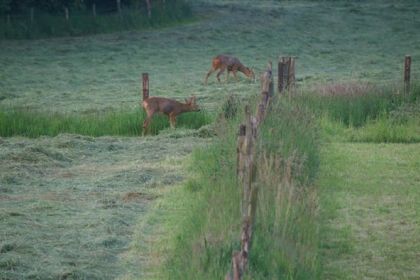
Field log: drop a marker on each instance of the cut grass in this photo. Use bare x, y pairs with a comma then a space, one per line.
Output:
369, 208
69, 204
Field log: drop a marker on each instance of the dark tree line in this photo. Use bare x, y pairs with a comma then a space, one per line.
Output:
57, 6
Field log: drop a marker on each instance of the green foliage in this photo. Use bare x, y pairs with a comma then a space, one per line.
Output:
353, 109
30, 123
49, 21
210, 229
290, 130
207, 236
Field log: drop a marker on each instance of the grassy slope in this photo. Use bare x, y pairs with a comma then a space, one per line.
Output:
370, 205
345, 41
69, 204
93, 74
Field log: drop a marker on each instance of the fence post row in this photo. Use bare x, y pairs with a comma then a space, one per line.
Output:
145, 77
286, 73
245, 172
407, 70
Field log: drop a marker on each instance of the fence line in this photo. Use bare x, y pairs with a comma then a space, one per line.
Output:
246, 153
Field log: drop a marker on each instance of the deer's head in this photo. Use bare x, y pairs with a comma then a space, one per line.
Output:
192, 104
250, 74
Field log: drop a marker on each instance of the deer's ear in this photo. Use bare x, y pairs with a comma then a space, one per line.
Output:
187, 100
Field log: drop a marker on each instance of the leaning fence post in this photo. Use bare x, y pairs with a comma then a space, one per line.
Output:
145, 85
119, 7
407, 70
282, 68
66, 13
32, 15
94, 10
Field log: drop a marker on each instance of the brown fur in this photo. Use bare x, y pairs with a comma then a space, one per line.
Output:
169, 107
229, 63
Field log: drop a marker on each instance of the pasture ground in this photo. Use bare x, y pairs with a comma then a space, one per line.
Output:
71, 205
370, 204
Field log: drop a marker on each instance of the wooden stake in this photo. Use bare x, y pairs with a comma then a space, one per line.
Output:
32, 15
66, 13
145, 85
407, 72
94, 10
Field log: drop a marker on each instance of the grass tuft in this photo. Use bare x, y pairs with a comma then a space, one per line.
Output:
31, 123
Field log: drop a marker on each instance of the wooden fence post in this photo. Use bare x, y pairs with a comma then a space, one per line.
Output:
149, 9
119, 7
32, 15
407, 72
145, 85
66, 13
245, 172
286, 73
94, 9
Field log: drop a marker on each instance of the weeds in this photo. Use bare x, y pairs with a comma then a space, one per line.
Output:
285, 237
30, 123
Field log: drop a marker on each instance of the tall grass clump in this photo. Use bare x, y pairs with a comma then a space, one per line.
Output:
351, 104
285, 240
208, 228
32, 123
363, 113
285, 234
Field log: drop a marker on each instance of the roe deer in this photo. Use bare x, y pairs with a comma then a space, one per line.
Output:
169, 107
232, 64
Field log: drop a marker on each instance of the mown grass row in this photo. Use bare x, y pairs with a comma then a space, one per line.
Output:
32, 123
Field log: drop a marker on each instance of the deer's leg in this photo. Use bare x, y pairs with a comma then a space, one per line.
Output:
234, 71
147, 121
234, 75
208, 75
220, 73
146, 125
172, 120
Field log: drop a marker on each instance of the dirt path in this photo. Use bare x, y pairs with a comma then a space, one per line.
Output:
370, 199
68, 204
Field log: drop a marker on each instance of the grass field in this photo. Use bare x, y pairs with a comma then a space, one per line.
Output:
88, 207
370, 204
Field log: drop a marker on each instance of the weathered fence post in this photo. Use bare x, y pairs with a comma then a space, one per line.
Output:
239, 153
282, 78
119, 7
149, 9
286, 73
246, 150
145, 85
32, 15
407, 72
66, 13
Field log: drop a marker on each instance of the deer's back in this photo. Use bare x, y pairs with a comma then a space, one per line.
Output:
161, 104
225, 60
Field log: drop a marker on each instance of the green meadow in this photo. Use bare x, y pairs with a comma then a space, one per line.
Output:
83, 195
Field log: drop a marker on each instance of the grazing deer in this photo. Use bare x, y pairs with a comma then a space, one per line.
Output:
169, 107
232, 64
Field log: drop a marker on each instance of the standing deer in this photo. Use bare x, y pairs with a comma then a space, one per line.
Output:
169, 107
232, 64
